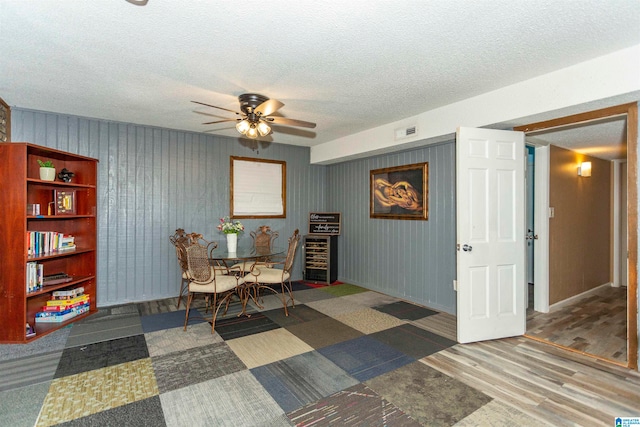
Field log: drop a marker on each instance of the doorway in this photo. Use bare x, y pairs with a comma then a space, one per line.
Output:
621, 265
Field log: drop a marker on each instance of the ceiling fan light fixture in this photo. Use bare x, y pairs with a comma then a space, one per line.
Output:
243, 126
264, 129
252, 132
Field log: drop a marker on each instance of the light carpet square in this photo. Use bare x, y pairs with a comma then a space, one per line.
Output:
267, 347
232, 400
368, 320
90, 392
167, 341
335, 306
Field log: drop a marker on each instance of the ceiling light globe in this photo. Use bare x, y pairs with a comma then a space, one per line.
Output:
252, 132
264, 129
242, 126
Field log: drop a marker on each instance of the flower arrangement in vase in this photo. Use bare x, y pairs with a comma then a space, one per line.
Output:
231, 229
227, 226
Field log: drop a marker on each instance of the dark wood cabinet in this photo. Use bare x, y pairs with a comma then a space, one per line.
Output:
21, 186
320, 258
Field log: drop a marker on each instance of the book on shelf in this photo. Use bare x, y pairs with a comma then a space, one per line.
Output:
35, 278
55, 317
47, 242
68, 294
60, 308
67, 302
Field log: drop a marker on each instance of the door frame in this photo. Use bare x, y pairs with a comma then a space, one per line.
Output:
631, 111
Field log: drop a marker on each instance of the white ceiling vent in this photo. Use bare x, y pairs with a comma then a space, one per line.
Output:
406, 132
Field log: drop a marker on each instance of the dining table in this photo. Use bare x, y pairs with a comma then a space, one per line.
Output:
244, 254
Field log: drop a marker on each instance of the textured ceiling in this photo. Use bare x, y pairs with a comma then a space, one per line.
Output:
348, 66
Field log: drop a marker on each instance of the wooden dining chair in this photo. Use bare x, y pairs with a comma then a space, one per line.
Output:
181, 241
263, 275
203, 279
263, 237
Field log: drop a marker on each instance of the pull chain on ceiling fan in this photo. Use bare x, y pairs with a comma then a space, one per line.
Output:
255, 118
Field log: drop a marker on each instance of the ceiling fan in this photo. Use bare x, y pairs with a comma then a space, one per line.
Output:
255, 115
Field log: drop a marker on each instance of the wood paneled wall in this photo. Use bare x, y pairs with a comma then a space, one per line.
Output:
580, 231
152, 181
414, 260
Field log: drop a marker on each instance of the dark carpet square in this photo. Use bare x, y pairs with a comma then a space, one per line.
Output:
323, 332
244, 325
299, 314
172, 319
428, 395
300, 286
413, 341
405, 311
143, 413
365, 358
100, 355
302, 379
195, 365
355, 406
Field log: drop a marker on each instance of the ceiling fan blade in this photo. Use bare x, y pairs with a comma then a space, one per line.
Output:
221, 121
290, 122
269, 106
221, 108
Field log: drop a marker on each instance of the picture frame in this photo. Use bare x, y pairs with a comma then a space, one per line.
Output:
258, 188
5, 121
64, 202
400, 192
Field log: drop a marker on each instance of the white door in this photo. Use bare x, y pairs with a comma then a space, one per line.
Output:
490, 205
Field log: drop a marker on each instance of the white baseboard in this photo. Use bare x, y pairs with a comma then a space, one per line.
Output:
573, 299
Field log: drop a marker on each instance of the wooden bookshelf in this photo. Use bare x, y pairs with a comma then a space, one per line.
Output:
20, 185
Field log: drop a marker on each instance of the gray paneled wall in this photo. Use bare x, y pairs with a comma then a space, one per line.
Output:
414, 260
152, 181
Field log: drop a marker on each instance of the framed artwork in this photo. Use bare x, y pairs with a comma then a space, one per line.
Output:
400, 192
64, 202
5, 121
258, 188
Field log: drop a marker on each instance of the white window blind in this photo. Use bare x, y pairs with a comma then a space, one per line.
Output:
257, 188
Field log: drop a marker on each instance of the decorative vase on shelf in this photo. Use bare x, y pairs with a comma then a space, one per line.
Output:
232, 242
47, 174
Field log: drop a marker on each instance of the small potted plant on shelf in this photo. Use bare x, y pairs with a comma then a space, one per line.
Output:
47, 170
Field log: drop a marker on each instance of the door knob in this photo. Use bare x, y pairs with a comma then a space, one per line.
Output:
467, 248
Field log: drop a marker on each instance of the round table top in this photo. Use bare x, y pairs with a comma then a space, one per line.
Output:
244, 252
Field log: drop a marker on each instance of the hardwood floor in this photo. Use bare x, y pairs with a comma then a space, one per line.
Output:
551, 385
595, 324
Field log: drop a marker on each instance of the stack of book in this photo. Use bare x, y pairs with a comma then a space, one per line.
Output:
46, 242
34, 276
64, 305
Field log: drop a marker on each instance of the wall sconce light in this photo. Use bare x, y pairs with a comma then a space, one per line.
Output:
584, 170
